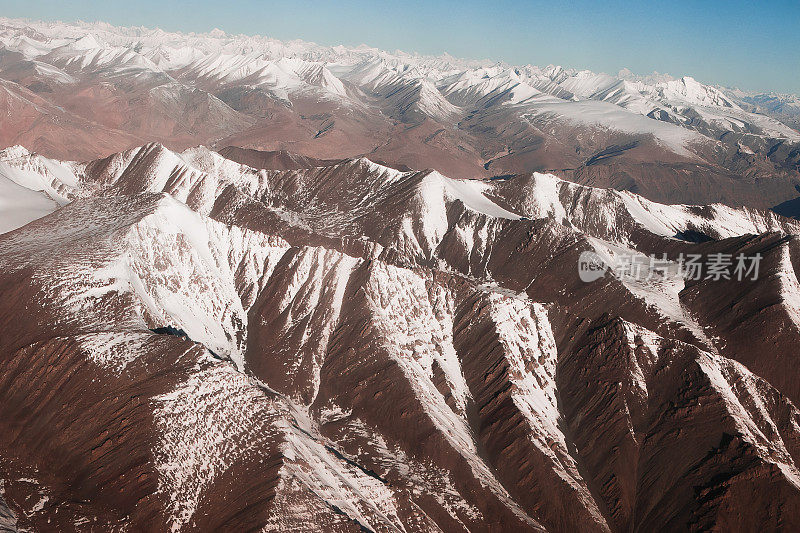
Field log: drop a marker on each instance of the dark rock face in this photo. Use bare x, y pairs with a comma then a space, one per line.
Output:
190, 343
276, 160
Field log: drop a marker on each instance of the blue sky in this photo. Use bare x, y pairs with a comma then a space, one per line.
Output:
755, 46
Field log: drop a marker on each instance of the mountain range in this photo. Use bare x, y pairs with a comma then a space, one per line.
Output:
82, 91
253, 285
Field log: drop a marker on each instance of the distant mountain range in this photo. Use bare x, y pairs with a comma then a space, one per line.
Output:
671, 140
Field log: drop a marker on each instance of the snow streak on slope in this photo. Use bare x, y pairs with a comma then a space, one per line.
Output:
363, 498
55, 178
422, 230
214, 418
473, 194
525, 333
311, 302
423, 478
416, 324
8, 520
719, 220
419, 326
742, 393
194, 288
658, 285
790, 287
530, 350
114, 350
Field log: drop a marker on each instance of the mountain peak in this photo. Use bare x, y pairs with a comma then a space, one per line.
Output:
87, 42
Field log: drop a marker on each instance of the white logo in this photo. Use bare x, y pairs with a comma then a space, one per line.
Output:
590, 267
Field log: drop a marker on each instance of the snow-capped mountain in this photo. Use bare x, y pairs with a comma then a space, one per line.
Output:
276, 286
334, 345
672, 140
784, 107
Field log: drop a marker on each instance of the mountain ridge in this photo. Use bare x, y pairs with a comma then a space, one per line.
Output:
688, 142
427, 359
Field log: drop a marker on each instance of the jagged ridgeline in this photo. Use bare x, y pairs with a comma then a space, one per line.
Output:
82, 91
192, 343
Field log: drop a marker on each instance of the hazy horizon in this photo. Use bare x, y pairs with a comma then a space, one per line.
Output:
698, 41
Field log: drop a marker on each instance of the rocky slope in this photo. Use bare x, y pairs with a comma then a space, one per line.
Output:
191, 343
